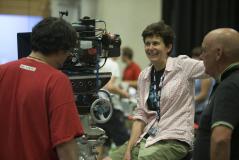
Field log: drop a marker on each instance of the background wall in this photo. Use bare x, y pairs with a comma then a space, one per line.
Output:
128, 18
18, 16
72, 6
125, 17
191, 20
10, 26
25, 7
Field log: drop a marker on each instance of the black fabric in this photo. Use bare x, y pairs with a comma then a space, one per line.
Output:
223, 106
228, 72
191, 20
115, 129
158, 75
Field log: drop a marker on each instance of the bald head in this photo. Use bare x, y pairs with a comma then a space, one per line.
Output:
220, 48
226, 39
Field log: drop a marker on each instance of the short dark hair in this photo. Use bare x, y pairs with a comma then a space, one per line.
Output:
128, 52
159, 29
52, 35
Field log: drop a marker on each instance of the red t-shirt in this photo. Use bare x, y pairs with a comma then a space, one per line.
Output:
37, 111
131, 72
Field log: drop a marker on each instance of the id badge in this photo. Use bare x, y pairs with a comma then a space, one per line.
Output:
152, 131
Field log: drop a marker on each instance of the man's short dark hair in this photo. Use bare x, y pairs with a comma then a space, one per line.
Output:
52, 35
159, 29
127, 52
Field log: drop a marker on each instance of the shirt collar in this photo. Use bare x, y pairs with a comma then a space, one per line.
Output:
169, 67
232, 66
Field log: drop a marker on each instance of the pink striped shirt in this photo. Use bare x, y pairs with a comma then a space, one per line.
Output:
176, 103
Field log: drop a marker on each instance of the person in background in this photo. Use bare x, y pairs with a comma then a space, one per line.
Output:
203, 88
113, 85
218, 131
163, 119
115, 128
38, 118
132, 69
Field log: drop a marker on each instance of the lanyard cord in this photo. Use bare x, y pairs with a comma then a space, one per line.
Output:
157, 93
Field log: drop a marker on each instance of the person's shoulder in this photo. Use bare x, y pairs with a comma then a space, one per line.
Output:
228, 87
231, 80
235, 76
58, 74
145, 72
110, 61
110, 64
49, 72
147, 69
11, 64
135, 65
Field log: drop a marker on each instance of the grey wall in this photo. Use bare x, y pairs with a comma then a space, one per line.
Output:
72, 6
125, 17
129, 18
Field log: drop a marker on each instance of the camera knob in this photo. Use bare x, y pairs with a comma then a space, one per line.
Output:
101, 110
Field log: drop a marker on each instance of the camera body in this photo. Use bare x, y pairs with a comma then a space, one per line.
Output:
93, 43
82, 68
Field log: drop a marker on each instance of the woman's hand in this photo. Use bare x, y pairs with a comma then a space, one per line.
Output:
127, 155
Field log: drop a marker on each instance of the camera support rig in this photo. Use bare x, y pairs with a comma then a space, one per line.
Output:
97, 102
82, 68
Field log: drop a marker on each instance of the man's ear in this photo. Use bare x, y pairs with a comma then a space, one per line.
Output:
219, 54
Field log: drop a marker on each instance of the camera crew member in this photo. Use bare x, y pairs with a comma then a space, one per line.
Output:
38, 117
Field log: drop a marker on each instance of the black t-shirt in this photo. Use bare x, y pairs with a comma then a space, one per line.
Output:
158, 75
223, 106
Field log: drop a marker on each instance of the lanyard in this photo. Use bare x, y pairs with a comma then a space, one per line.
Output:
157, 93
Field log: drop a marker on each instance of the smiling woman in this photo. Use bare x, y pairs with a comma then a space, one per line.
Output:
156, 51
164, 117
158, 44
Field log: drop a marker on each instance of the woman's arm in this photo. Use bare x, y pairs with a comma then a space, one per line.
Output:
137, 130
204, 90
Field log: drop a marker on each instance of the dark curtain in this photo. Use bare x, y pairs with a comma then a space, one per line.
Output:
192, 19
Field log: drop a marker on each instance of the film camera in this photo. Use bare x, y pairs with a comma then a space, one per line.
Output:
94, 44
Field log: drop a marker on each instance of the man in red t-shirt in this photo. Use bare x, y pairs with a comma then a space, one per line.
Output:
132, 70
38, 117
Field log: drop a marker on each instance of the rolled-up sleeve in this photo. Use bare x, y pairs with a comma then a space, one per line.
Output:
194, 69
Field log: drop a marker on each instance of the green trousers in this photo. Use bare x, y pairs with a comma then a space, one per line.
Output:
162, 150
